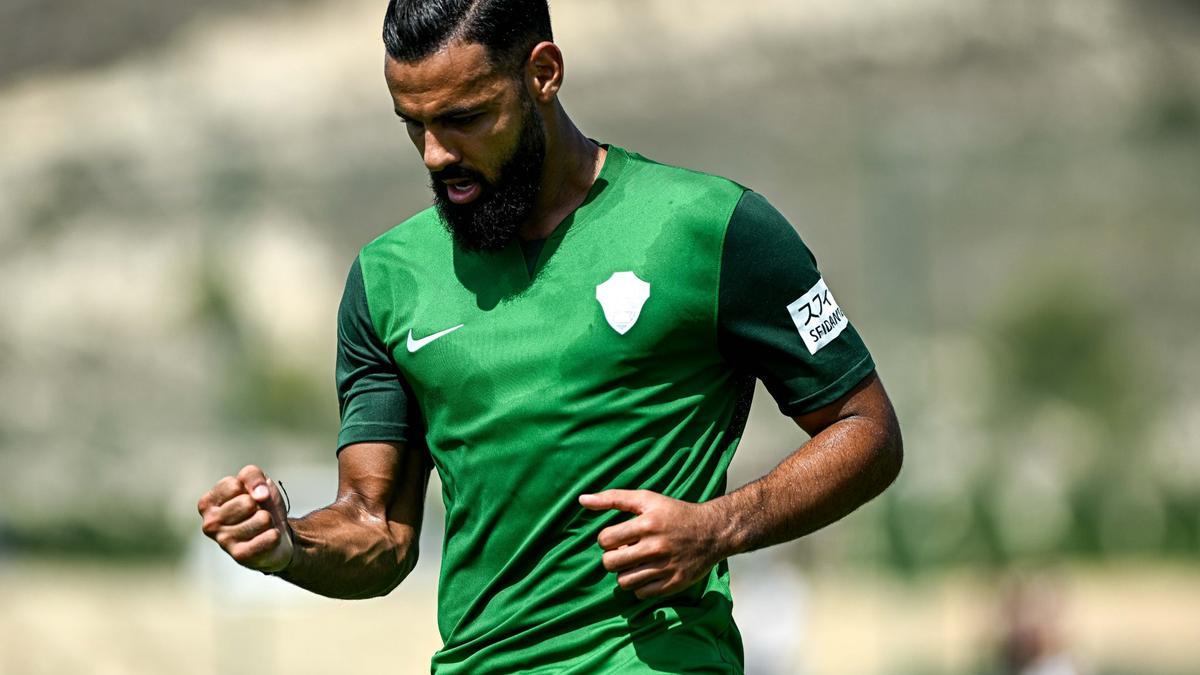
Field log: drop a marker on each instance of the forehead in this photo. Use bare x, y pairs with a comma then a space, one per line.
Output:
457, 75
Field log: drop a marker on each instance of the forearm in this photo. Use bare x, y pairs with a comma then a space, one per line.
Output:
842, 467
344, 551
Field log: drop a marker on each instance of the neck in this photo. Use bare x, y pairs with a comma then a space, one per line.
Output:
572, 164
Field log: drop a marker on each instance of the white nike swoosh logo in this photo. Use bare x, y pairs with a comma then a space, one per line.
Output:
414, 345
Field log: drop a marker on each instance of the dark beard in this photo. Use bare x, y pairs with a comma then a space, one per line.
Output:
491, 221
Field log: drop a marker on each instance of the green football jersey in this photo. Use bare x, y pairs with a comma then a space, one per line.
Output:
621, 354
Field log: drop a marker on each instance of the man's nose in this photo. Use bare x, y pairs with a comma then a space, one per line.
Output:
438, 155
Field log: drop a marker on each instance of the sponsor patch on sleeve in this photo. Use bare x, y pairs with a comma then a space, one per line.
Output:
817, 317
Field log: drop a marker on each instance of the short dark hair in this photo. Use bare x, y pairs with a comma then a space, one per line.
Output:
509, 29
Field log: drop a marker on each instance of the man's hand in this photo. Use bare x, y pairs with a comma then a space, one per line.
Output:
246, 516
667, 546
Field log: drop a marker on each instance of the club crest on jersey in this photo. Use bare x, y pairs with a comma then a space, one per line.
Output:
817, 317
622, 298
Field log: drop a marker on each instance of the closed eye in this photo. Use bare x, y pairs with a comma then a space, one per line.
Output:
408, 121
464, 120
459, 120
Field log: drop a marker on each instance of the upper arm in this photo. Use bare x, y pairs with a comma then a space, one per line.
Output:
867, 400
383, 464
375, 403
777, 318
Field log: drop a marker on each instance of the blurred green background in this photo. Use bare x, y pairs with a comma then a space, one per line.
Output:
1004, 195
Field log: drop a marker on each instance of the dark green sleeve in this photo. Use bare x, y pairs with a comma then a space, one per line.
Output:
777, 320
373, 397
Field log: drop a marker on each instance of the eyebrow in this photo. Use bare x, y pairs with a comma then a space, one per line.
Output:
458, 111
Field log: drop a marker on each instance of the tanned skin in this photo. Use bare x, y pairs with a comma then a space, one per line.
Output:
360, 546
854, 454
459, 109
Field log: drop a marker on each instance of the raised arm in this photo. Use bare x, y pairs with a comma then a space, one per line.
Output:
360, 546
365, 543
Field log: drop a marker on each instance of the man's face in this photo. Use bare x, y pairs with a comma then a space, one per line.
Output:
480, 136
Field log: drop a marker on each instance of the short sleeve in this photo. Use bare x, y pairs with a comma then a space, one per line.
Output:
777, 318
372, 396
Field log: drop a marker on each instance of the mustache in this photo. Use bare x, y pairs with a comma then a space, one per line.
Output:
457, 171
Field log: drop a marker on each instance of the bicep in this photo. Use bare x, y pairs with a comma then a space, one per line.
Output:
867, 400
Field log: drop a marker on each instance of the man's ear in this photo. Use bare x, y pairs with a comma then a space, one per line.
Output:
544, 72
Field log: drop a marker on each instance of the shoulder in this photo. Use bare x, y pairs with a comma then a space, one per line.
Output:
756, 220
387, 264
736, 214
692, 205
679, 183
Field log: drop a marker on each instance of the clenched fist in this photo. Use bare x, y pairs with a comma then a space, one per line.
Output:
245, 514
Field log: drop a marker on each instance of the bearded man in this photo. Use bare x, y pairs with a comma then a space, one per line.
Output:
570, 336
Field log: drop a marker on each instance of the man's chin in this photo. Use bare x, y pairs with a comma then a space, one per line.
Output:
473, 229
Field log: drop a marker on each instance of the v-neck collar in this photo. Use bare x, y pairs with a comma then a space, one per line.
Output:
614, 162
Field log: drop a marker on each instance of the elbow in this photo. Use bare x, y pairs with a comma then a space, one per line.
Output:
890, 457
380, 570
405, 564
405, 559
884, 456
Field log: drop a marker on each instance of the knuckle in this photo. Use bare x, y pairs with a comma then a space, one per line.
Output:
241, 504
210, 527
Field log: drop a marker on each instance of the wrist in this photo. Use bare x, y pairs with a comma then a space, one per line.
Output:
728, 534
290, 534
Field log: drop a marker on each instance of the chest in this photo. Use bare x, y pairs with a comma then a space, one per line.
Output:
611, 318
584, 314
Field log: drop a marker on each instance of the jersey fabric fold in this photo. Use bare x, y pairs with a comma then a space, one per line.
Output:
619, 354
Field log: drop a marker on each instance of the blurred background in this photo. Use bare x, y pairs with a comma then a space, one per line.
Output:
1003, 194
